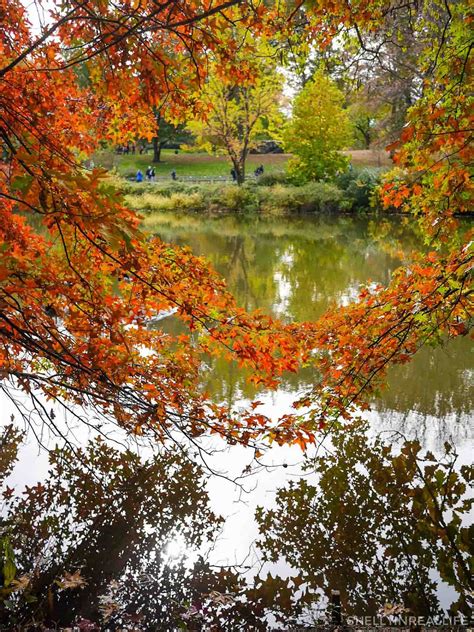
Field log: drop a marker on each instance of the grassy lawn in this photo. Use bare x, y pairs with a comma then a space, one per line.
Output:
186, 164
200, 164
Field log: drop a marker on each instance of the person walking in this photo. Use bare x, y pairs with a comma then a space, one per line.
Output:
139, 176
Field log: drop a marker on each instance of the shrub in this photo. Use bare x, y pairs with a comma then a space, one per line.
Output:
270, 179
235, 199
359, 188
311, 198
277, 199
151, 201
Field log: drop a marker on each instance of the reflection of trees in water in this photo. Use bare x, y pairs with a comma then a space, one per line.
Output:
433, 395
375, 525
303, 265
436, 382
430, 431
319, 258
111, 516
111, 539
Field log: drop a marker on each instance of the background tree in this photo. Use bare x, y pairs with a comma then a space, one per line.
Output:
167, 134
110, 539
387, 68
318, 130
235, 113
364, 117
375, 524
303, 58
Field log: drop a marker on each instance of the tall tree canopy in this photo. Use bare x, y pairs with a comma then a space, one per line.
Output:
79, 281
318, 130
238, 107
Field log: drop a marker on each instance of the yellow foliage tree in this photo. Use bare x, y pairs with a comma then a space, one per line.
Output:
235, 111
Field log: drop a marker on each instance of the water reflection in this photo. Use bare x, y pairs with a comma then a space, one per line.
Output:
118, 541
374, 526
92, 541
293, 267
297, 268
111, 541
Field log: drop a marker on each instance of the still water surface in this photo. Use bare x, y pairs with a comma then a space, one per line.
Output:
296, 269
344, 525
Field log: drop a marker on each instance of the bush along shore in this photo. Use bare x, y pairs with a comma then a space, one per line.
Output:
354, 191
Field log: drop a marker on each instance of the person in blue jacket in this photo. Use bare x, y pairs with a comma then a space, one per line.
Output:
139, 176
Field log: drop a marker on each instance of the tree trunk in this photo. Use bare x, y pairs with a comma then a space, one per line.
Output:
240, 171
367, 139
156, 149
366, 133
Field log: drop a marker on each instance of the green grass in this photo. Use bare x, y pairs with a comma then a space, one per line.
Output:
193, 164
202, 164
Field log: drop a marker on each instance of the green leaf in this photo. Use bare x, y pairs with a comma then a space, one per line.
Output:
9, 567
22, 183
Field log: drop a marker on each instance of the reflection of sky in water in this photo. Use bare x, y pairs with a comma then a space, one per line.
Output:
309, 265
235, 544
295, 272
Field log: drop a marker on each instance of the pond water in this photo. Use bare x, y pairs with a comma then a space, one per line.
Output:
296, 268
356, 519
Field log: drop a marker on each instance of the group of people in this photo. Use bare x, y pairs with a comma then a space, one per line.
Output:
131, 148
149, 174
258, 172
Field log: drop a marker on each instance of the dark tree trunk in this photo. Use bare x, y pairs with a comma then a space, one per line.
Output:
156, 149
240, 171
367, 139
366, 133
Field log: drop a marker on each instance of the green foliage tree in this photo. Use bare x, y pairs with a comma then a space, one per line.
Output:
364, 118
318, 130
167, 132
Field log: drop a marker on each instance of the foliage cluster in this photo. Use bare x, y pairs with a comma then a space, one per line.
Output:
312, 197
80, 282
360, 187
92, 544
